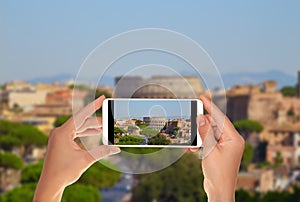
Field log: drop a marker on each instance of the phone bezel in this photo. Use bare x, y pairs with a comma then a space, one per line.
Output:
107, 120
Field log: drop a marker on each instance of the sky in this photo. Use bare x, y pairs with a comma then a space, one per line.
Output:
147, 108
42, 38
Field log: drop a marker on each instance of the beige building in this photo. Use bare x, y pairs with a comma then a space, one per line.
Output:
284, 140
256, 180
262, 103
26, 99
158, 87
18, 85
157, 123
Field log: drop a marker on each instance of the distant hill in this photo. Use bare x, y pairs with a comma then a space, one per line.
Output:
282, 78
61, 78
229, 79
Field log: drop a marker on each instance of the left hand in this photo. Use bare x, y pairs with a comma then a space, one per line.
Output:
65, 160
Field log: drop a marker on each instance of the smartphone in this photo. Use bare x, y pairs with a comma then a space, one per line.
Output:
151, 122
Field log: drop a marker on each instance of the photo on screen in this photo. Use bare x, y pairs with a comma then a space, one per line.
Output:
153, 122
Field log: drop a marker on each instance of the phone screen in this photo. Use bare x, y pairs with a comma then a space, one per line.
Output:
152, 122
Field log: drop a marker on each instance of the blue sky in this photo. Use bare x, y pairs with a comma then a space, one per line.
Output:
41, 38
163, 108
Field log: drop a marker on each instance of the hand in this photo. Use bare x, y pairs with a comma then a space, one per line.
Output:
220, 167
65, 160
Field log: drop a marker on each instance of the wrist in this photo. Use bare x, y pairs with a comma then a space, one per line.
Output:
47, 190
219, 193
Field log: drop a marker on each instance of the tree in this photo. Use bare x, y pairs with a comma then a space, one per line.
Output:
159, 139
100, 175
74, 193
278, 159
8, 142
130, 140
21, 193
32, 172
28, 135
78, 193
180, 182
16, 108
61, 120
247, 156
247, 126
118, 130
289, 91
243, 196
10, 160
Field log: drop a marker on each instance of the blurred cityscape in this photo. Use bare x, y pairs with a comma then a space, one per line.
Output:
267, 117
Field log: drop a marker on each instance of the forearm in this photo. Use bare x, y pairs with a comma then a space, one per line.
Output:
48, 190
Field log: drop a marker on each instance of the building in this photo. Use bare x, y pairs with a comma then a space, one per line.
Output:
126, 86
3, 100
26, 99
298, 85
284, 141
18, 85
182, 126
256, 180
262, 103
252, 101
158, 87
156, 123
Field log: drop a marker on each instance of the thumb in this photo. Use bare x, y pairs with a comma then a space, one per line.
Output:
207, 134
103, 151
203, 125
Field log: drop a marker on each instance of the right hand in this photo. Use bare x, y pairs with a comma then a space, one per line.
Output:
220, 167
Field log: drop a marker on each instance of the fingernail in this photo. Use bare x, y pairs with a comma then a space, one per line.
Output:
201, 121
114, 150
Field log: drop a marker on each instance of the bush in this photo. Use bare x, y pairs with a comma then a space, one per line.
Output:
61, 120
22, 193
10, 160
8, 142
100, 175
248, 126
78, 193
183, 181
26, 134
289, 91
32, 172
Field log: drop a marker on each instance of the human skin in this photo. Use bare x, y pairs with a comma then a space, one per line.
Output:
220, 167
65, 160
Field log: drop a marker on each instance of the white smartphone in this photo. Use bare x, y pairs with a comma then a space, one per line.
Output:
151, 122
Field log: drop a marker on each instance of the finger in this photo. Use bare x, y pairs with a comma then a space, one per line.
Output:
223, 124
203, 122
221, 121
209, 133
103, 151
89, 132
211, 108
87, 111
193, 149
91, 122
